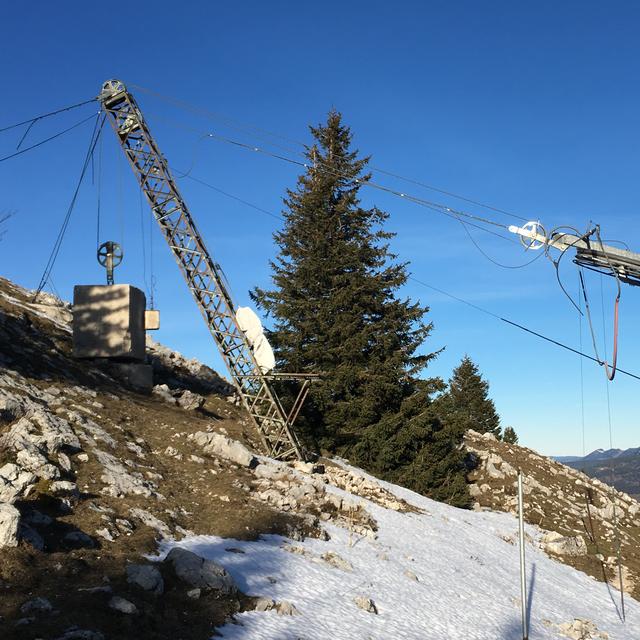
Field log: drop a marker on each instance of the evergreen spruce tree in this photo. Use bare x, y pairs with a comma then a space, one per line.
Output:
336, 310
335, 303
469, 405
510, 436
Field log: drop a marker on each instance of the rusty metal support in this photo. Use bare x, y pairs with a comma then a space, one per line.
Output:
203, 276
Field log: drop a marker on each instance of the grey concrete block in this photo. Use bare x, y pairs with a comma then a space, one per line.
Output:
109, 322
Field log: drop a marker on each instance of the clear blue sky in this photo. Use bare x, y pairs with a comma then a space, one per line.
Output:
531, 108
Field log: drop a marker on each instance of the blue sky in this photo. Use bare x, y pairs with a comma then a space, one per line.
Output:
532, 109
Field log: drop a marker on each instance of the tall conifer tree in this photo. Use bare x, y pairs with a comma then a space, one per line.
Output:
335, 301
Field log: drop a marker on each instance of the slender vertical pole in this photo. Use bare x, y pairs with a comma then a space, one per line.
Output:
523, 581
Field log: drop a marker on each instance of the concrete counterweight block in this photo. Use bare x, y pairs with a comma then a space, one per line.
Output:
108, 322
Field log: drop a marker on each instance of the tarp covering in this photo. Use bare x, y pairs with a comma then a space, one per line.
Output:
250, 324
264, 354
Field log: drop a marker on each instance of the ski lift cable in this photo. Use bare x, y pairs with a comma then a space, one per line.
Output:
556, 263
616, 523
31, 121
610, 370
439, 290
95, 135
441, 208
266, 134
582, 414
53, 137
518, 326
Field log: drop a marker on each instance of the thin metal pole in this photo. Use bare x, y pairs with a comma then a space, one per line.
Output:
523, 581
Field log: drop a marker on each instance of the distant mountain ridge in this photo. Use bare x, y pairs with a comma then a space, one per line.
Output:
600, 454
619, 467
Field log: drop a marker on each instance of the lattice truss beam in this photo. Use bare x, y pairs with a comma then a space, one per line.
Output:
202, 274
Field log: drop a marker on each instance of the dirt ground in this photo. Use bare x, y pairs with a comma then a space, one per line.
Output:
201, 495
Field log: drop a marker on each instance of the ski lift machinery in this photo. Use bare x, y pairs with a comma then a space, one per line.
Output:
592, 254
251, 377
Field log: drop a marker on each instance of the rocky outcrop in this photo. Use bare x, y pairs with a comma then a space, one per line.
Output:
311, 496
577, 515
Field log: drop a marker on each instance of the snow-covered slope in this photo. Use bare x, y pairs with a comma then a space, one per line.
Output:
441, 574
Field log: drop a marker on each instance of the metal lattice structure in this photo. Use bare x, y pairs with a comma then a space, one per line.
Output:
204, 277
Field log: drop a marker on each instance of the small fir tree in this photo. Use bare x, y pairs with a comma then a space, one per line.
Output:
468, 400
510, 436
335, 301
417, 448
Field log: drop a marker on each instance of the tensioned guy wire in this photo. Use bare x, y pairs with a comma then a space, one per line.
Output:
578, 352
30, 121
95, 135
53, 137
265, 134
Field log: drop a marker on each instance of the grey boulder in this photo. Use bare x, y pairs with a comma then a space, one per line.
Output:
200, 573
146, 577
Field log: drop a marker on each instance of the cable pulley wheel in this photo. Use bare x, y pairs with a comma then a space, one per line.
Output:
111, 250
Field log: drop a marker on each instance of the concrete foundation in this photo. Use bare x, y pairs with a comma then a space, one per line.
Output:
109, 322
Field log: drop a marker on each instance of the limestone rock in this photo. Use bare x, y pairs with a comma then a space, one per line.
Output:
14, 482
9, 521
36, 605
556, 543
286, 608
147, 577
119, 481
265, 604
366, 604
190, 401
217, 444
580, 629
200, 573
122, 605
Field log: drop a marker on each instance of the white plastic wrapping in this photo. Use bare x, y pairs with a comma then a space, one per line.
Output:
250, 324
264, 354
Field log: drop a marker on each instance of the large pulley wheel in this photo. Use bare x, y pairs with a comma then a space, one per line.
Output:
110, 256
532, 240
111, 250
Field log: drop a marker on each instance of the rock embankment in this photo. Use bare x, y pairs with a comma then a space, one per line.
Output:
581, 518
